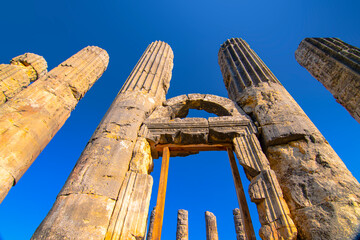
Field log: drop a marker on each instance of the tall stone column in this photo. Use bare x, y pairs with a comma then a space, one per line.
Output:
30, 120
19, 73
182, 228
321, 193
211, 226
107, 195
336, 65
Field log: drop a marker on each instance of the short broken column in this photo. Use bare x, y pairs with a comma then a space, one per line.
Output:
336, 65
17, 75
182, 229
239, 225
31, 119
211, 226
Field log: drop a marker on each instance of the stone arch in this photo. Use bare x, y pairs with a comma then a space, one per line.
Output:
178, 107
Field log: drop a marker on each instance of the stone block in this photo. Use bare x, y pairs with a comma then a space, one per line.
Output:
88, 212
129, 218
273, 211
178, 131
225, 129
141, 161
250, 155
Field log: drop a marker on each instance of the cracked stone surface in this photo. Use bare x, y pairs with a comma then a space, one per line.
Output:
17, 75
336, 65
182, 228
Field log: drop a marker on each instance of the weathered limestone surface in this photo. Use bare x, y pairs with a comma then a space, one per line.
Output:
19, 73
211, 226
30, 120
182, 229
336, 65
115, 163
274, 214
239, 226
323, 196
129, 217
178, 107
250, 154
264, 190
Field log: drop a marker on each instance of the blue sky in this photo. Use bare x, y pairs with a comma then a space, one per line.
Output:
194, 30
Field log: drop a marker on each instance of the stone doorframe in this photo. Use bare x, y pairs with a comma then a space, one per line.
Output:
168, 127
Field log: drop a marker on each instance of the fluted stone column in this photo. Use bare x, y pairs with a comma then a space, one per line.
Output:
211, 226
30, 120
336, 65
107, 195
182, 228
19, 73
321, 193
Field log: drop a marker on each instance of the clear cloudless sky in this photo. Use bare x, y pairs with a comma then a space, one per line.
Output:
194, 29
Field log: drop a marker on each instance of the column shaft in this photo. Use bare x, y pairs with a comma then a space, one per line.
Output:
182, 229
322, 195
239, 225
211, 226
336, 65
151, 225
97, 201
30, 120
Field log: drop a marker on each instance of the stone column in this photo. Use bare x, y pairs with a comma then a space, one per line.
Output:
264, 190
19, 73
107, 195
239, 226
336, 65
30, 120
321, 193
182, 230
151, 225
211, 227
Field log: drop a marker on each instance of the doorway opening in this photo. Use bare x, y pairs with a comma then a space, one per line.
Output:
199, 183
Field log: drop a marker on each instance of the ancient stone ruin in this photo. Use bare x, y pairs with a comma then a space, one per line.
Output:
32, 115
301, 187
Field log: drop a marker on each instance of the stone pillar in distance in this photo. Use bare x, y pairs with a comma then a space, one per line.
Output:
322, 195
211, 226
107, 195
182, 229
